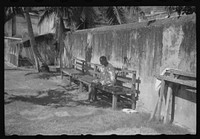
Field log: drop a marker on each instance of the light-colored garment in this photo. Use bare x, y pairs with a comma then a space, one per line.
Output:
107, 75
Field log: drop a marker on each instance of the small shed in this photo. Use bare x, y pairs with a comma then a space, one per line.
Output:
11, 50
47, 47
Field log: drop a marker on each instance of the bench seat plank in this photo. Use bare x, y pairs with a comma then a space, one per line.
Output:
87, 79
71, 71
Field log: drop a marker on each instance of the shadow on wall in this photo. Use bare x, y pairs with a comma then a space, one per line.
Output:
187, 93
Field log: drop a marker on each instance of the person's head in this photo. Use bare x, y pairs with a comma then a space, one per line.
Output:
103, 60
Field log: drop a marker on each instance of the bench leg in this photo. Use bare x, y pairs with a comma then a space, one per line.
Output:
90, 92
70, 80
133, 102
61, 75
81, 87
95, 94
168, 104
114, 102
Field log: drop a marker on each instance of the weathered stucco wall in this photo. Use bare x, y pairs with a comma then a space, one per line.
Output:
168, 43
11, 51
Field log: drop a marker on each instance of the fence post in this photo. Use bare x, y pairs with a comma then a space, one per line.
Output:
133, 90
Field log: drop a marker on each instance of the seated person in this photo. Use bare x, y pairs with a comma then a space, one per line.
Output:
107, 77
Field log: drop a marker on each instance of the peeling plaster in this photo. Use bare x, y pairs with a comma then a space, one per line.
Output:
172, 39
149, 50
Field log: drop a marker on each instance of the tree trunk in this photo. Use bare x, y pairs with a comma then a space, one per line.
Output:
37, 56
60, 41
61, 35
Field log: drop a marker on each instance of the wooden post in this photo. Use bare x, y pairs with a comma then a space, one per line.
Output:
133, 90
133, 106
89, 91
114, 101
81, 87
161, 99
95, 70
138, 88
75, 64
168, 101
61, 74
169, 94
70, 80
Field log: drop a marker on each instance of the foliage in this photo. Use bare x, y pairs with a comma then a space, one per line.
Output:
115, 15
180, 9
10, 12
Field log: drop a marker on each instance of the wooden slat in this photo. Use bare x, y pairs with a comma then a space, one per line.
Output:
78, 59
94, 64
71, 71
183, 73
191, 83
79, 63
78, 67
124, 79
86, 79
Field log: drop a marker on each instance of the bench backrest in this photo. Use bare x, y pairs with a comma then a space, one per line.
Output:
78, 64
126, 78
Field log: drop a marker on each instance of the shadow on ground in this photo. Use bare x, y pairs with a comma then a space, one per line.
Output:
43, 75
57, 98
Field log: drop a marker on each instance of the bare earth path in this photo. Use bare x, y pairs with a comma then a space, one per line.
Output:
44, 104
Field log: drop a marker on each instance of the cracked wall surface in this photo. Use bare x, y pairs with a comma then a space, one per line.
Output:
167, 43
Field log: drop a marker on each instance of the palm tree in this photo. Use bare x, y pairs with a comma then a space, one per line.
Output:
180, 10
115, 15
133, 13
9, 13
122, 14
72, 17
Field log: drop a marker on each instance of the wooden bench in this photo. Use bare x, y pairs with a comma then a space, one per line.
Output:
75, 71
167, 82
120, 89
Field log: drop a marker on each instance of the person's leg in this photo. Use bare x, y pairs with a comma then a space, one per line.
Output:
91, 92
95, 94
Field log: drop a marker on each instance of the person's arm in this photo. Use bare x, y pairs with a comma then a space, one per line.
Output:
112, 76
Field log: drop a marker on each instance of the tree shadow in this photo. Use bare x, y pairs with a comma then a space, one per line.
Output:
43, 75
44, 97
56, 98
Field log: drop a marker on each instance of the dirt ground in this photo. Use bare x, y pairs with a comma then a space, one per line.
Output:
44, 104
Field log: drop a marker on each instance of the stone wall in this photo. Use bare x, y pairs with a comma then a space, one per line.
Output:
149, 48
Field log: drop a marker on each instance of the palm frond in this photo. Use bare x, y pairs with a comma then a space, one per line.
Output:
87, 17
46, 14
115, 15
10, 12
